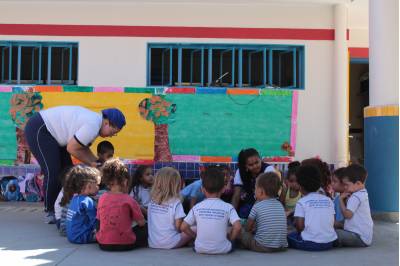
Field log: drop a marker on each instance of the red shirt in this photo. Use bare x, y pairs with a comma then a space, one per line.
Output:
116, 213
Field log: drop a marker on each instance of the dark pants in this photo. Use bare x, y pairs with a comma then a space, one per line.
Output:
296, 241
141, 241
51, 157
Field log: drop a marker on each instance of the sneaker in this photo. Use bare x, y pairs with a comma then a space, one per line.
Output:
50, 218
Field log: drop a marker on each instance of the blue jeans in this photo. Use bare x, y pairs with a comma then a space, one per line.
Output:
296, 241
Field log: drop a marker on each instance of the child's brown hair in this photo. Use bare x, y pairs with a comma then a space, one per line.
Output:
114, 171
76, 179
270, 183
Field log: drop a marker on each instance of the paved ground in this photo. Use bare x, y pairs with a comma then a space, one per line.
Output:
26, 240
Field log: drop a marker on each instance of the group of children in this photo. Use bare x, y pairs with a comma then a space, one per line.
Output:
219, 213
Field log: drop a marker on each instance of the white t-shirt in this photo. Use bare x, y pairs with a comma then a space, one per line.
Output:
161, 223
361, 222
212, 217
65, 122
318, 212
141, 195
57, 207
237, 180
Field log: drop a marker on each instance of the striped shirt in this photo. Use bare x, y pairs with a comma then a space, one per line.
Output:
270, 218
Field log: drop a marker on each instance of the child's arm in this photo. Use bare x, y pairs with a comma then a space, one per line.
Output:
236, 227
178, 223
236, 197
347, 214
338, 225
250, 225
193, 201
282, 197
186, 229
299, 223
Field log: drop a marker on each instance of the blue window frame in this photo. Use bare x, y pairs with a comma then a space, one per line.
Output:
49, 63
225, 65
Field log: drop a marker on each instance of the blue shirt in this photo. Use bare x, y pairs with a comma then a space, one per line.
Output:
338, 212
193, 191
81, 220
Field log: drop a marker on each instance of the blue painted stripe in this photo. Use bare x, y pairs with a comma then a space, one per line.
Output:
210, 90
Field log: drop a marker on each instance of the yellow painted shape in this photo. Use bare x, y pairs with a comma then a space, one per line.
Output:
387, 110
136, 139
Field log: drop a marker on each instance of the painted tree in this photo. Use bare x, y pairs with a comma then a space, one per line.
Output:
22, 106
158, 110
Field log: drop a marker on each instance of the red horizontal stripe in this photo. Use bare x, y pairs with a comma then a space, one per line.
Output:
161, 31
358, 52
181, 90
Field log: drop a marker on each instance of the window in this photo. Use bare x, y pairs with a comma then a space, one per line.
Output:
38, 63
223, 65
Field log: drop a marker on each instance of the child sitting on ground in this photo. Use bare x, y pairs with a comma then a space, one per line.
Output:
117, 210
57, 204
81, 215
67, 192
165, 212
314, 214
228, 192
212, 217
338, 187
141, 185
192, 194
291, 192
267, 218
358, 224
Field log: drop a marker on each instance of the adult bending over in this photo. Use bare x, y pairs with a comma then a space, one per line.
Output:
54, 134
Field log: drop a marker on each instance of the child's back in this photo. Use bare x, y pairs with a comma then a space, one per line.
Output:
212, 217
81, 220
161, 219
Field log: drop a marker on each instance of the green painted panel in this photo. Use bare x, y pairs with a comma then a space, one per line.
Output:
8, 140
139, 90
222, 125
77, 89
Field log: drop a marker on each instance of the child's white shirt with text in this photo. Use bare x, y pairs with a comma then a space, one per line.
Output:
318, 212
161, 223
212, 217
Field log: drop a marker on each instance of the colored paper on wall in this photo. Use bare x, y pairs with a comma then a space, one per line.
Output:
222, 125
8, 140
136, 140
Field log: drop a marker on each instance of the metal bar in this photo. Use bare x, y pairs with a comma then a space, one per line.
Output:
40, 65
170, 66
33, 63
209, 66
294, 68
191, 67
265, 66
70, 64
180, 66
233, 67
270, 67
49, 65
9, 63
249, 73
162, 68
202, 66
62, 65
221, 62
2, 64
149, 67
240, 77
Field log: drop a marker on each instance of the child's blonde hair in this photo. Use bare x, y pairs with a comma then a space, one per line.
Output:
167, 183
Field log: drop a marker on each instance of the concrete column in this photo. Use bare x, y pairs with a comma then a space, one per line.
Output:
340, 90
381, 118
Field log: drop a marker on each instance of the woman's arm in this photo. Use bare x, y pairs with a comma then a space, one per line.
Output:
236, 197
82, 153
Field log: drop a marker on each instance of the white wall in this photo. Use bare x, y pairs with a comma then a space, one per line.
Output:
358, 23
111, 61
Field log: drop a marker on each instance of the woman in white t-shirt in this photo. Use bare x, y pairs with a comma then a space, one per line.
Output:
165, 211
54, 134
250, 166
